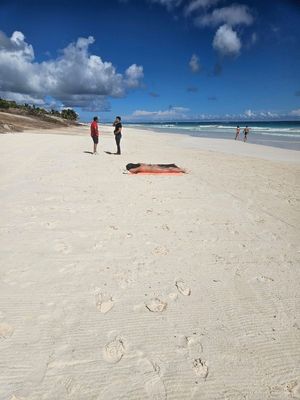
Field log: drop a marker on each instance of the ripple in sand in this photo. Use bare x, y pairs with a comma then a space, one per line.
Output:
233, 394
156, 389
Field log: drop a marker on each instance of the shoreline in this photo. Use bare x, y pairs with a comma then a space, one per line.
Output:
225, 146
270, 140
228, 146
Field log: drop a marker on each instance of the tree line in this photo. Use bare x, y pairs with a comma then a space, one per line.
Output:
67, 113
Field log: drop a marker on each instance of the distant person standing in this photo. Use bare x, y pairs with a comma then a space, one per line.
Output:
237, 134
246, 132
95, 133
118, 133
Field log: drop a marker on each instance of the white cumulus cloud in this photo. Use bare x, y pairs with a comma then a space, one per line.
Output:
197, 5
254, 38
194, 63
172, 113
210, 14
170, 4
268, 114
23, 98
233, 15
226, 41
295, 113
249, 114
133, 75
76, 77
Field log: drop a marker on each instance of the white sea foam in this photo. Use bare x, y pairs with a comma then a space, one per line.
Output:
225, 129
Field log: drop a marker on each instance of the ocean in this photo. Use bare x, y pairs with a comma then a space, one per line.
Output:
284, 134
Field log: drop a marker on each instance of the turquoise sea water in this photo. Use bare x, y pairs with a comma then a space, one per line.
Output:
284, 134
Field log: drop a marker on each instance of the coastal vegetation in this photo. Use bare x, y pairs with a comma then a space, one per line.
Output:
28, 109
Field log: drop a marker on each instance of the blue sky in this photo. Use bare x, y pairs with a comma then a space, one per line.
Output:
154, 60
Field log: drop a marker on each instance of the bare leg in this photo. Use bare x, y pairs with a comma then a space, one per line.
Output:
95, 148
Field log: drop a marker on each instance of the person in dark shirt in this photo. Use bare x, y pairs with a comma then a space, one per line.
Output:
118, 133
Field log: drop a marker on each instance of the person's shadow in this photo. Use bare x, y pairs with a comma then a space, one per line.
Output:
107, 152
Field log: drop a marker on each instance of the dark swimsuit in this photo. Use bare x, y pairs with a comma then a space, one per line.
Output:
166, 166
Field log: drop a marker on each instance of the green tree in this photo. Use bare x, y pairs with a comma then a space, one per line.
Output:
4, 104
70, 114
55, 112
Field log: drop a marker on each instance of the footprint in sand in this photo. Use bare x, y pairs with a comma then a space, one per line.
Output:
124, 283
265, 279
173, 296
294, 389
200, 368
156, 305
234, 394
161, 251
114, 351
6, 330
194, 346
124, 279
97, 246
104, 302
50, 225
156, 389
183, 288
63, 248
72, 388
154, 385
148, 367
191, 345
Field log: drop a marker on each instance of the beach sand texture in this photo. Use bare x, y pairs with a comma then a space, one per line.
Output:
124, 287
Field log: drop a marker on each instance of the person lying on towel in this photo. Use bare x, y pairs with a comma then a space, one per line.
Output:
153, 168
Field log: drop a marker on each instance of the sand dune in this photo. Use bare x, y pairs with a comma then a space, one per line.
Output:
115, 286
18, 121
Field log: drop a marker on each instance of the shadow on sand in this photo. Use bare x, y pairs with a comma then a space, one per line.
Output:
88, 152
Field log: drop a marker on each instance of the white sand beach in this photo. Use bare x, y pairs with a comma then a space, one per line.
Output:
125, 287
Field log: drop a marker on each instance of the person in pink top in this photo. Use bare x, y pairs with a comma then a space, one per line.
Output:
95, 133
237, 133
